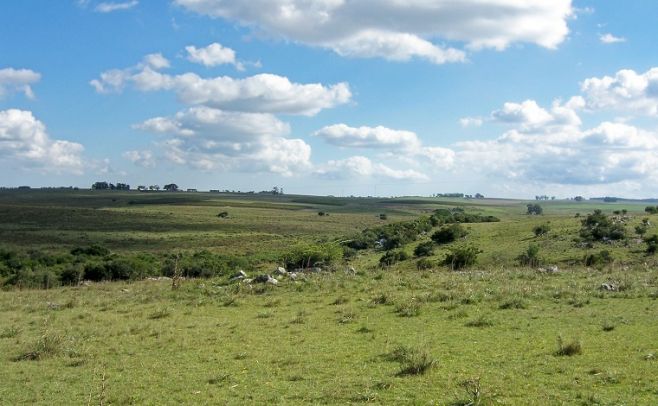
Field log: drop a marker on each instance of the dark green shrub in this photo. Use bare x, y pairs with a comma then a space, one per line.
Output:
391, 257
534, 209
458, 215
641, 229
424, 264
349, 253
94, 250
309, 255
541, 229
651, 209
41, 278
652, 244
530, 257
461, 257
599, 259
424, 249
390, 236
598, 227
71, 275
96, 272
448, 234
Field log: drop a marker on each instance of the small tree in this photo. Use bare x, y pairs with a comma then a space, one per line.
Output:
534, 209
541, 229
598, 227
391, 257
652, 244
424, 249
641, 229
448, 234
461, 257
530, 257
599, 259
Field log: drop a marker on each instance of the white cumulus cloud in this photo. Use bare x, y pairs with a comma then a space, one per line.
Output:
211, 139
626, 91
267, 93
144, 158
213, 55
611, 39
17, 80
361, 166
343, 135
25, 141
399, 30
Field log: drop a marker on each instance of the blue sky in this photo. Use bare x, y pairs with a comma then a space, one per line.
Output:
506, 98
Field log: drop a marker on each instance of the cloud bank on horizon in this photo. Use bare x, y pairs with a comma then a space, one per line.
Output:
599, 139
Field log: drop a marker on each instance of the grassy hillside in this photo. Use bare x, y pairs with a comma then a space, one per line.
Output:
494, 333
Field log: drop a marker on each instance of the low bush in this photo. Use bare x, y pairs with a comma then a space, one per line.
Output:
652, 244
412, 361
541, 229
530, 257
424, 249
599, 227
390, 236
461, 257
599, 259
94, 250
424, 264
448, 234
392, 257
573, 347
409, 308
310, 255
458, 215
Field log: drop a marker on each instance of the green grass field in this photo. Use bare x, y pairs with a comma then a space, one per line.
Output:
488, 334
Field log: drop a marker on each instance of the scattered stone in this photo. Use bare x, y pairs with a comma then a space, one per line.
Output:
85, 283
265, 279
316, 269
247, 280
125, 290
350, 271
549, 269
293, 276
281, 271
610, 287
53, 305
238, 276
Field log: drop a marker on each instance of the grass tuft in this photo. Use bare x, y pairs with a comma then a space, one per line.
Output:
514, 303
160, 314
410, 308
481, 321
413, 361
568, 349
10, 332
